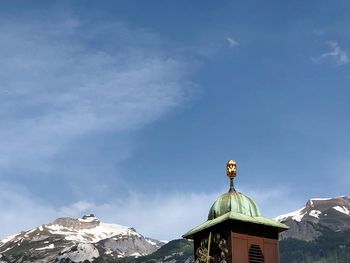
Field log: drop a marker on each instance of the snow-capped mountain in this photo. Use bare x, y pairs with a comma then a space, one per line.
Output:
76, 240
318, 215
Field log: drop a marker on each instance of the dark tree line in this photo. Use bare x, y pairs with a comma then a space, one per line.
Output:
331, 247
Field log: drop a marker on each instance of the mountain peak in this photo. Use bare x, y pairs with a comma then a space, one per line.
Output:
319, 214
314, 207
88, 218
328, 201
84, 238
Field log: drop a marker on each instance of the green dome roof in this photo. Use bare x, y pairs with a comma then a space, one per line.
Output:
234, 206
233, 202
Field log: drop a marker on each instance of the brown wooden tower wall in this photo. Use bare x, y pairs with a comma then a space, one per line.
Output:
237, 242
236, 231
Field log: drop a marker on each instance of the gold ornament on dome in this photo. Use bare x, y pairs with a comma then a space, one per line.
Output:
231, 169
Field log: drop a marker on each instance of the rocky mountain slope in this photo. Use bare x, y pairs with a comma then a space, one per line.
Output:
318, 215
319, 232
76, 240
176, 251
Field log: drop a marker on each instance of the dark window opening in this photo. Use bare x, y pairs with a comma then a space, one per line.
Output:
255, 254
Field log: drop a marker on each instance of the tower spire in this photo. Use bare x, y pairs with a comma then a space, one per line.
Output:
231, 172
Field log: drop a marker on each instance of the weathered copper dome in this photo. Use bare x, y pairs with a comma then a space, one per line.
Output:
233, 202
234, 206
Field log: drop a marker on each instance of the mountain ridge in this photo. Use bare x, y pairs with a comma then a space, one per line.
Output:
76, 240
318, 215
323, 224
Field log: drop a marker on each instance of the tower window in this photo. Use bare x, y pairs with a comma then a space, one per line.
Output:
255, 254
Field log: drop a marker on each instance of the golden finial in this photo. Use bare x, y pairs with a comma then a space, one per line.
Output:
231, 171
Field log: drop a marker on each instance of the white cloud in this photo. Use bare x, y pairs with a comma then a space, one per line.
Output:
65, 86
162, 216
232, 42
336, 55
274, 201
168, 216
60, 84
20, 210
65, 81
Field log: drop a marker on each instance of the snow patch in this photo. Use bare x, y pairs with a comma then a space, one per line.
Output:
136, 254
342, 209
7, 249
296, 215
39, 238
151, 242
82, 253
88, 218
315, 213
92, 235
321, 199
29, 232
9, 238
108, 251
51, 246
324, 199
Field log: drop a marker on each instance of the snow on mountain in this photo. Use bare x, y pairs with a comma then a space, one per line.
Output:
318, 215
82, 253
88, 218
312, 203
342, 209
9, 238
51, 246
91, 234
76, 240
315, 213
296, 215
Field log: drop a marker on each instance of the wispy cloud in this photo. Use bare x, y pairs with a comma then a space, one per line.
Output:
275, 201
159, 212
71, 94
178, 211
232, 42
336, 55
318, 32
21, 210
151, 215
67, 81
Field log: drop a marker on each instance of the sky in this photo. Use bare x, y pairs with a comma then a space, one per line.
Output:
130, 109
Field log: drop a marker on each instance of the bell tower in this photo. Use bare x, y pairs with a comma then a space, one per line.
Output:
235, 231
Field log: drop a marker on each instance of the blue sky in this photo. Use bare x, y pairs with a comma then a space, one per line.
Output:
130, 109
